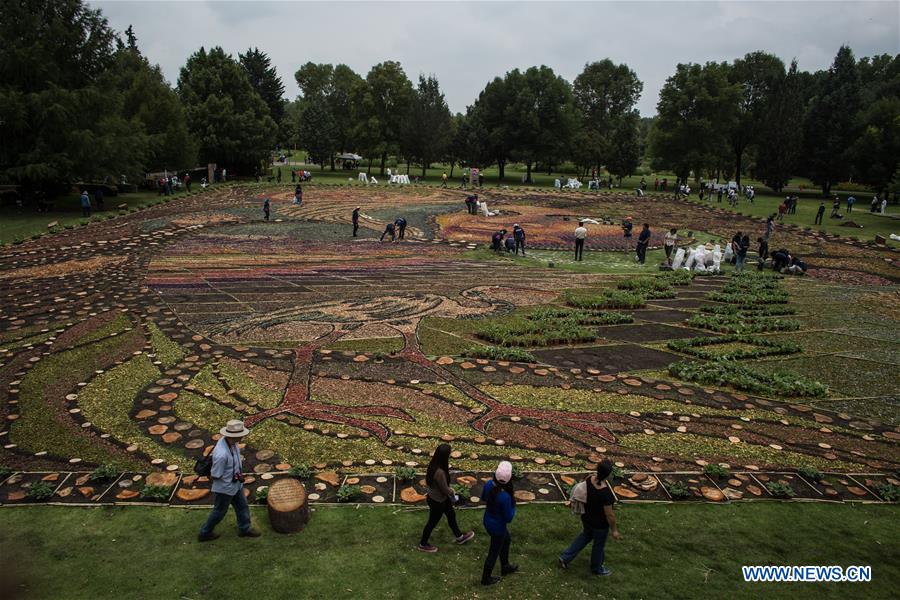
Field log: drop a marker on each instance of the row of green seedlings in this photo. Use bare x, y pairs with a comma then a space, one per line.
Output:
740, 377
751, 290
21, 239
548, 326
704, 347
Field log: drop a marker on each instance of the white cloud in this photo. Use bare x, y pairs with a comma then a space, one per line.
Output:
466, 44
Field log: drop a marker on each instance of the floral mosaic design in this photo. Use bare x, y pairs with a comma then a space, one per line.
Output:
131, 341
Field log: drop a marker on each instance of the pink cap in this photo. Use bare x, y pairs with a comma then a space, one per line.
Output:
504, 472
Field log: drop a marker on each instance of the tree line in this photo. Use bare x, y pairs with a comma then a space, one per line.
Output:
79, 102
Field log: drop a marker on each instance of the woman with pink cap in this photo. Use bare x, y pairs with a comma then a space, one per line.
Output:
500, 511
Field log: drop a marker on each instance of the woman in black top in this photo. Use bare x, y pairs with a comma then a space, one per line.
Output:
440, 500
597, 520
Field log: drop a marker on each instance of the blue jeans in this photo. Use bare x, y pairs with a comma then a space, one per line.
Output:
598, 536
220, 509
739, 263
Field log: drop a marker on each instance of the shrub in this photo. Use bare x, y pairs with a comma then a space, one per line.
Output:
714, 470
5, 472
780, 490
104, 472
517, 472
749, 311
809, 473
725, 372
156, 493
262, 494
301, 471
405, 474
346, 493
40, 490
678, 490
617, 473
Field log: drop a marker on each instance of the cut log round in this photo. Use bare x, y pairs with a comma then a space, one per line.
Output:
288, 506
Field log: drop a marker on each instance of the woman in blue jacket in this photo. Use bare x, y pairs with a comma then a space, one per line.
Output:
501, 508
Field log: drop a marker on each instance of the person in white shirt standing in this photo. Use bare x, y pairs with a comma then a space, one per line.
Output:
671, 241
228, 483
580, 236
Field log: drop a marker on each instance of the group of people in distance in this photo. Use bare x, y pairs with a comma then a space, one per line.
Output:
592, 499
500, 241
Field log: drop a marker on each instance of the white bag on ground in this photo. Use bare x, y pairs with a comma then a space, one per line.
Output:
728, 253
717, 258
679, 257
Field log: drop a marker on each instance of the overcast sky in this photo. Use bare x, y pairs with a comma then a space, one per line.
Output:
466, 44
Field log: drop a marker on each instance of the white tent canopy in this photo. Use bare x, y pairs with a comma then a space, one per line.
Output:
350, 156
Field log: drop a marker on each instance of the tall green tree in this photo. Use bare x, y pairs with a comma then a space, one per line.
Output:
876, 153
781, 132
228, 118
541, 117
493, 123
317, 129
625, 146
428, 127
340, 86
58, 123
265, 81
757, 75
697, 108
605, 95
153, 108
831, 125
381, 105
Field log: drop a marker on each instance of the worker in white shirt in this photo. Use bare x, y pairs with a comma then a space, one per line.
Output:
580, 236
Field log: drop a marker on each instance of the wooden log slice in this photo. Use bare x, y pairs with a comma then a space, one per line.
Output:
288, 506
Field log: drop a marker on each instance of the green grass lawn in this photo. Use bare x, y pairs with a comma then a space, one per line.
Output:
872, 224
20, 223
688, 551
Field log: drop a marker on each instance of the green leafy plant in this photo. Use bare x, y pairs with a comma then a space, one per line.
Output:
262, 494
678, 490
780, 490
617, 473
497, 353
809, 473
5, 472
604, 299
750, 311
405, 474
517, 472
715, 470
40, 490
727, 372
742, 324
301, 471
888, 491
461, 490
703, 347
156, 493
104, 472
346, 493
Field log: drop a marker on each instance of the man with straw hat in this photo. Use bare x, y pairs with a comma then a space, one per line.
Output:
228, 483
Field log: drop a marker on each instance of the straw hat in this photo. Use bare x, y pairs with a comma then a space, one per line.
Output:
234, 429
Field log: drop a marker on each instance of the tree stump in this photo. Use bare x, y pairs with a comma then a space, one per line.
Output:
288, 506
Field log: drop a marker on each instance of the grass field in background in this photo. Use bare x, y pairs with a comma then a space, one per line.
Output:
667, 551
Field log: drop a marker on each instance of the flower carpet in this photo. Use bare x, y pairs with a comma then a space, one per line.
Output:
130, 342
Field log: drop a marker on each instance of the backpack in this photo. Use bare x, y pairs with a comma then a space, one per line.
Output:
578, 498
203, 466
